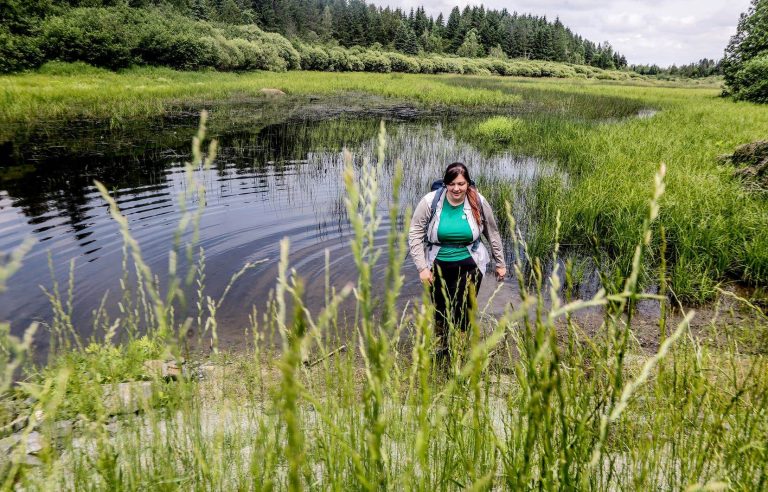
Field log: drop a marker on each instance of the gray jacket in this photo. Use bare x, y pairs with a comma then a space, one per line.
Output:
422, 225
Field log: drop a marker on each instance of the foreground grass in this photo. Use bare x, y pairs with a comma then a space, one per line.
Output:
528, 401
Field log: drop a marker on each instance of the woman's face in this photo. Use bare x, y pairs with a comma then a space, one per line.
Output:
457, 189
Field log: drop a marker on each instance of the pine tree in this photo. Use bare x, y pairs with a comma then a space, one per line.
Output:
452, 30
325, 27
405, 39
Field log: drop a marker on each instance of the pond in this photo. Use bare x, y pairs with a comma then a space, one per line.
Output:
269, 181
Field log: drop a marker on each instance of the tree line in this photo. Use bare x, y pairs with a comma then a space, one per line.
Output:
706, 67
468, 32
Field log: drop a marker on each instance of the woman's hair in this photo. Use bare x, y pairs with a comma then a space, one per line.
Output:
455, 170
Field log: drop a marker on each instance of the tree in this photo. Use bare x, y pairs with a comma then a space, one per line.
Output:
325, 27
471, 46
405, 39
749, 43
431, 42
452, 29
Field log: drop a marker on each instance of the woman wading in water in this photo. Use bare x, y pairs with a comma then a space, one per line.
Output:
445, 245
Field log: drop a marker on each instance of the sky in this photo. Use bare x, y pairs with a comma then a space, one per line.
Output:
646, 32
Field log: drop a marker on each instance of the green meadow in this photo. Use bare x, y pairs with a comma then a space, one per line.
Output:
533, 399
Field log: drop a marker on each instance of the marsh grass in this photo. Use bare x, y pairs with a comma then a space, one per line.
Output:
530, 402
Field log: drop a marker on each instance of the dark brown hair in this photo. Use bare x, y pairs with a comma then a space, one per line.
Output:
455, 170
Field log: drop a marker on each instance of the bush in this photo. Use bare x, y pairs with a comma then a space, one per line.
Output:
119, 37
338, 60
752, 80
428, 65
105, 37
447, 65
313, 58
403, 63
499, 66
523, 69
283, 48
18, 52
183, 51
375, 62
268, 42
355, 63
474, 67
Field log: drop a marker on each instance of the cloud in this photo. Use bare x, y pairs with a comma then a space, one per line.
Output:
652, 31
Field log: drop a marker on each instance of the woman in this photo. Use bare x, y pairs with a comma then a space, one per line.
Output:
445, 245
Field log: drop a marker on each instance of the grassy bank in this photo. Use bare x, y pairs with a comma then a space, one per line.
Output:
527, 401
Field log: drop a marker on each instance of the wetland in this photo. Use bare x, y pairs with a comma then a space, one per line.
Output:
578, 357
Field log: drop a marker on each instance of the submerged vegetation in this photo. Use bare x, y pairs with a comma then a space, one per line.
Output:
529, 401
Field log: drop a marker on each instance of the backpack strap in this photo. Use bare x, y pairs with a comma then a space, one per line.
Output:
436, 199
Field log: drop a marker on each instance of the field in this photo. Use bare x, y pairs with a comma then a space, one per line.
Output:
529, 400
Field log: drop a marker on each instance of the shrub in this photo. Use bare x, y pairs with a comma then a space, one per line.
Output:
447, 65
428, 65
105, 37
522, 69
338, 60
314, 58
228, 56
355, 63
283, 48
250, 52
269, 42
499, 67
752, 80
403, 63
185, 51
75, 68
18, 52
375, 62
474, 67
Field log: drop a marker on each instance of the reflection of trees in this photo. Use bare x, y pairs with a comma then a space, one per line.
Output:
62, 163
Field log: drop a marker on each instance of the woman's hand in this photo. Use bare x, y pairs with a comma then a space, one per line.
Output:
426, 276
501, 272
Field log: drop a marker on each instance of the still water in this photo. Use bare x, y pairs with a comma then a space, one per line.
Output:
268, 182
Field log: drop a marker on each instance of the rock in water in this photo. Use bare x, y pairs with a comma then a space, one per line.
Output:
272, 92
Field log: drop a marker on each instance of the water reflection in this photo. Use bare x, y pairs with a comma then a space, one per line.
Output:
268, 183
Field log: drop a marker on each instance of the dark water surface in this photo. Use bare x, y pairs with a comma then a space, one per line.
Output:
269, 182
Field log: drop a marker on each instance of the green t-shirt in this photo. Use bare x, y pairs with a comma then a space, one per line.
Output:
453, 228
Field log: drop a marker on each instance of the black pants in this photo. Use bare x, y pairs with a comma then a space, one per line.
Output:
453, 296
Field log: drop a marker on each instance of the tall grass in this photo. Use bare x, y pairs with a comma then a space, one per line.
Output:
530, 401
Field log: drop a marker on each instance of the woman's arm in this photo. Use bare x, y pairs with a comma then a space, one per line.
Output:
491, 232
417, 232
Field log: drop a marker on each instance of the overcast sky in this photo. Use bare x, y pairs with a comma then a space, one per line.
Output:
649, 31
